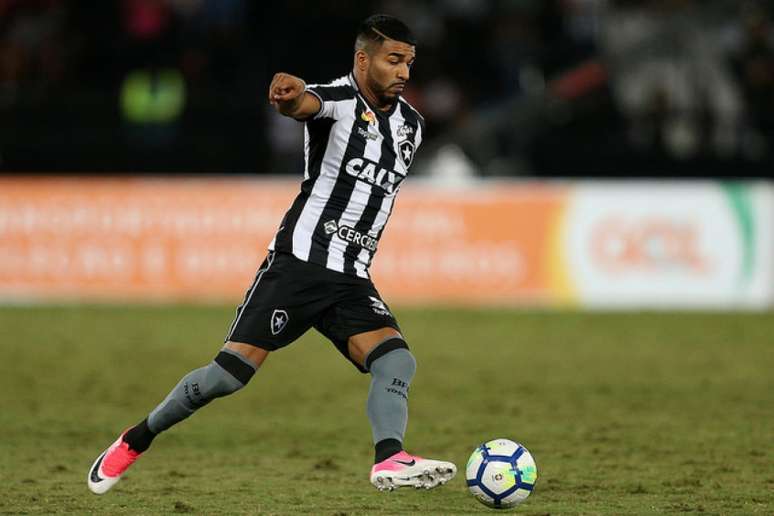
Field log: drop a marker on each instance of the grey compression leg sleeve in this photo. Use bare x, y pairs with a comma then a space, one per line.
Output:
225, 375
392, 367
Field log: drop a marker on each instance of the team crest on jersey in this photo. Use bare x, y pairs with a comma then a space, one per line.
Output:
279, 319
406, 152
368, 116
378, 306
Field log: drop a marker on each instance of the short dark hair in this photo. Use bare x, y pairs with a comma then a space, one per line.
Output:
377, 27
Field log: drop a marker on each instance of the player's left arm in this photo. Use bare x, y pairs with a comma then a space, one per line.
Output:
288, 95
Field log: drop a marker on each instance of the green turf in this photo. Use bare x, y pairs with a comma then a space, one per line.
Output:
624, 413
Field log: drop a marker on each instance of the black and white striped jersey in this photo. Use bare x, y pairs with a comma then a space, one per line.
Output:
356, 158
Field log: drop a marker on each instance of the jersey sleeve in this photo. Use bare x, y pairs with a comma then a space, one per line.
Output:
331, 98
421, 132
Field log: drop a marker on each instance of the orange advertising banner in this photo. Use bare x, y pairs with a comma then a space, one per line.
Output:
202, 239
489, 243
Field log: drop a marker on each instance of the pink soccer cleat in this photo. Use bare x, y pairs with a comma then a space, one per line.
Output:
403, 470
109, 466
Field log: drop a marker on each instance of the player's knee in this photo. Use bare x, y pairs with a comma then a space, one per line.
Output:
225, 375
392, 358
229, 372
404, 362
218, 383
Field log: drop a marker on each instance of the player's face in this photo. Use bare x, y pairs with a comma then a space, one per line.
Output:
389, 69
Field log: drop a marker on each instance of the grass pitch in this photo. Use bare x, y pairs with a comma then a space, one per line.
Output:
624, 413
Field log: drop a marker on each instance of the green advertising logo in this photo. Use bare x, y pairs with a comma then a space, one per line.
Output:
738, 195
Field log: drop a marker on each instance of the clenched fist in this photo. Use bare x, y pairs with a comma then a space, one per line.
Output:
287, 95
286, 92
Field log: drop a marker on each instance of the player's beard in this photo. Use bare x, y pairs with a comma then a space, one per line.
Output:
388, 98
383, 93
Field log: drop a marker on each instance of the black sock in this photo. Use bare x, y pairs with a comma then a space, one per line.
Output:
386, 448
139, 437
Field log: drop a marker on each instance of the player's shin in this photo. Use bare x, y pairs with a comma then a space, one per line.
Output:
392, 367
226, 374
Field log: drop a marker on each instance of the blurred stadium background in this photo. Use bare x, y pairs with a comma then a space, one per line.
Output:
581, 156
612, 88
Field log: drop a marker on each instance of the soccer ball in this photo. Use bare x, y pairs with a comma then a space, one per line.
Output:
501, 473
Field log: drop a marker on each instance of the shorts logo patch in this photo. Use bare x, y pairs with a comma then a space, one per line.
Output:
279, 319
378, 306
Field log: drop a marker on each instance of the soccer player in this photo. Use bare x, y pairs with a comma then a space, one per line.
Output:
360, 140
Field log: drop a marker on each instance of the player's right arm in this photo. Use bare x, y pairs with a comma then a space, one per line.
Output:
288, 95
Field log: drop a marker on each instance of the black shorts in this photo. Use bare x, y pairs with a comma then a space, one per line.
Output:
289, 296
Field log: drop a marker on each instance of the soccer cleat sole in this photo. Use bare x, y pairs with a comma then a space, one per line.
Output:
426, 478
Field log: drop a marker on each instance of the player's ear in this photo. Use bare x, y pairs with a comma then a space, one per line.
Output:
361, 60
